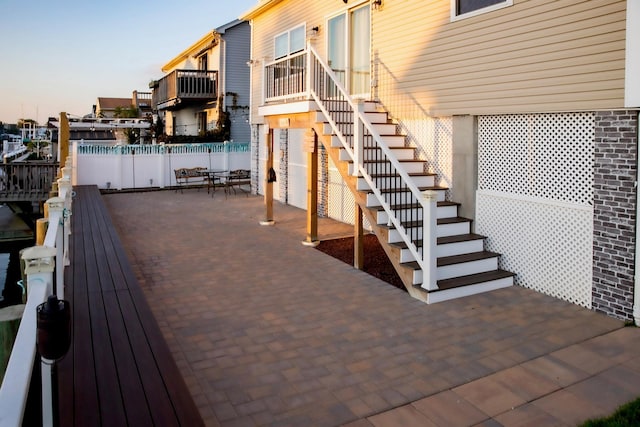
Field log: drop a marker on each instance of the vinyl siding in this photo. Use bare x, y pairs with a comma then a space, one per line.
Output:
236, 72
535, 56
282, 17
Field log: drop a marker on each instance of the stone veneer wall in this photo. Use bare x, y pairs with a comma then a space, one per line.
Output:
614, 212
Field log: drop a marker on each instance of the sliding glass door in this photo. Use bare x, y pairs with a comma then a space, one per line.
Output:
348, 49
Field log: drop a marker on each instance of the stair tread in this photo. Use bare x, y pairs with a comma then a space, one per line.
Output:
392, 175
435, 188
472, 256
406, 206
472, 279
386, 161
460, 238
453, 220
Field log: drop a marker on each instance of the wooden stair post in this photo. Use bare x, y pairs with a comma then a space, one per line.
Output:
311, 144
268, 191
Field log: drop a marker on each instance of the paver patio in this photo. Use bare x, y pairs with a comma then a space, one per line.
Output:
270, 332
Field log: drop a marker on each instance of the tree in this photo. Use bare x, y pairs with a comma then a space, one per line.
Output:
130, 112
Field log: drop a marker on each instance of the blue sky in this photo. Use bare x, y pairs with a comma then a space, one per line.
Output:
62, 55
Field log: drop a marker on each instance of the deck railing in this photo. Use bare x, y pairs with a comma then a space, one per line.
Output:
183, 85
44, 267
286, 78
26, 180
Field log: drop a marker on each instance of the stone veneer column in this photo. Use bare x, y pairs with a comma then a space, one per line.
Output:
255, 160
323, 181
283, 176
614, 212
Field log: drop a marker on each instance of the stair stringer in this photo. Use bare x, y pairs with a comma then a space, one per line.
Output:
382, 233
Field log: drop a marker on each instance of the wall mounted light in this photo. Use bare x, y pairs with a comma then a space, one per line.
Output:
377, 4
315, 30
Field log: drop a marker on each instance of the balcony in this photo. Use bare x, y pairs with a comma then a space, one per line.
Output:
183, 87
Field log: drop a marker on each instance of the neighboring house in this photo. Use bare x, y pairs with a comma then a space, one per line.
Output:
206, 87
523, 111
107, 107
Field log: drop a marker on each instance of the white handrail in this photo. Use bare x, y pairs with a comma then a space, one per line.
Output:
425, 266
41, 262
17, 378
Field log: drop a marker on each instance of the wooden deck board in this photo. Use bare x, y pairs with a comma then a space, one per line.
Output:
119, 370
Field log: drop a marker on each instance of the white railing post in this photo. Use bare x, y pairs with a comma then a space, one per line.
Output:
358, 138
39, 266
65, 190
310, 77
55, 206
429, 204
74, 163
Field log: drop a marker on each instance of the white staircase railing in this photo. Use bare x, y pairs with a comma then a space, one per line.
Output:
411, 212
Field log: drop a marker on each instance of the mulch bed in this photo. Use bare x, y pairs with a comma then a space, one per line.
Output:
376, 262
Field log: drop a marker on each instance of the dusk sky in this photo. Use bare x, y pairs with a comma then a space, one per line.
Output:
62, 55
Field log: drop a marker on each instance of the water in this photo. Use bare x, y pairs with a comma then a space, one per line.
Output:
4, 265
10, 291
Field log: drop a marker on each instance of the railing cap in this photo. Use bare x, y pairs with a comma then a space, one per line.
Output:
39, 259
55, 203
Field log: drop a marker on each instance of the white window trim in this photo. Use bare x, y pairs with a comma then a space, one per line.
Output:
455, 17
288, 32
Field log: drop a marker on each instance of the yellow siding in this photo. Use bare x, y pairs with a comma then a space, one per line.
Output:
535, 56
282, 17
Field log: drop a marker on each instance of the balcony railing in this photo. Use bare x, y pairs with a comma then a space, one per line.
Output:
184, 85
287, 78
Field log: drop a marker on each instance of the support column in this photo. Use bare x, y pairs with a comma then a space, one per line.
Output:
268, 190
311, 147
358, 240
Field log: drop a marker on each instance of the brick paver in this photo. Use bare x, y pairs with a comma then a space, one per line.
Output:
268, 331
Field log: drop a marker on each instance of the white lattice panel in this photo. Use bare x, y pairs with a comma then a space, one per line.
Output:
432, 138
548, 245
540, 155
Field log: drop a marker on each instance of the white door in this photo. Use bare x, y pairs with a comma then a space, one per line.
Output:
297, 170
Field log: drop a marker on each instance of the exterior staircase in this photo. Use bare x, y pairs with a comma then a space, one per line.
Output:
434, 250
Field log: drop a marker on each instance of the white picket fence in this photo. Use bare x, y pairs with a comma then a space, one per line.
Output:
121, 167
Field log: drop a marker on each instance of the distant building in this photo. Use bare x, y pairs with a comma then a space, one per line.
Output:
205, 91
106, 107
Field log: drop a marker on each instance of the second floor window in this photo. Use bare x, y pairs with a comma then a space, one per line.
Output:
290, 42
467, 8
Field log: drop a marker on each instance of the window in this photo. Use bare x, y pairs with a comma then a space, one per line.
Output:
290, 42
461, 9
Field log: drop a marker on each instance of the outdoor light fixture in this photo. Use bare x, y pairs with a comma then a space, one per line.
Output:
377, 4
315, 29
